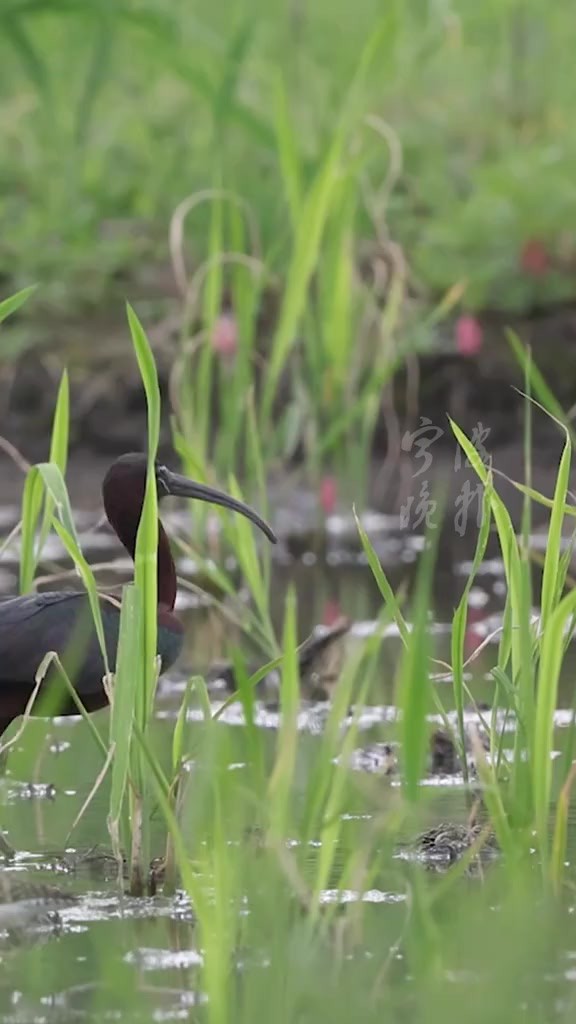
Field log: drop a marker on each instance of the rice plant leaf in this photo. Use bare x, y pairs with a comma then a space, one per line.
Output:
145, 573
54, 491
507, 537
123, 701
315, 208
551, 584
382, 583
98, 68
179, 728
13, 302
281, 778
538, 382
330, 783
58, 451
551, 654
35, 67
246, 551
460, 619
541, 499
287, 149
89, 582
233, 62
32, 496
149, 375
415, 687
558, 857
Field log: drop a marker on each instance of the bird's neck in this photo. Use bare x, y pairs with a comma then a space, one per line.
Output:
166, 569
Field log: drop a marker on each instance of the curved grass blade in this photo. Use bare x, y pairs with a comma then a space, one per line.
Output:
145, 573
551, 656
551, 583
123, 702
459, 622
382, 583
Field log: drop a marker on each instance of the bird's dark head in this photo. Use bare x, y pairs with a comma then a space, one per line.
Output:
124, 488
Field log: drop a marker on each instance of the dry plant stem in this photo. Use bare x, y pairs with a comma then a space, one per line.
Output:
11, 536
53, 658
67, 574
17, 458
187, 350
447, 676
99, 780
194, 288
27, 714
176, 231
379, 206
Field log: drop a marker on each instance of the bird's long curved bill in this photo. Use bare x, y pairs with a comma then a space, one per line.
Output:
182, 487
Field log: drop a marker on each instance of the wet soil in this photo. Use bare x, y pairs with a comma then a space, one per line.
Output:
108, 407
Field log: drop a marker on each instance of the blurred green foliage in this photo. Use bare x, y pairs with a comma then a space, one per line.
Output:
112, 113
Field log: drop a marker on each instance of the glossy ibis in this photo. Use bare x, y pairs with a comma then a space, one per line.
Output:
61, 621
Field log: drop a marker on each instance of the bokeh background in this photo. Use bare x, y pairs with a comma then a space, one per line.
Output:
329, 213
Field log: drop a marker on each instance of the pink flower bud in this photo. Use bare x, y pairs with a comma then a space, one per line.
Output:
534, 258
225, 335
332, 612
469, 335
328, 495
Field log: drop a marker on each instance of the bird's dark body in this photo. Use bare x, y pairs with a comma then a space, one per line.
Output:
61, 621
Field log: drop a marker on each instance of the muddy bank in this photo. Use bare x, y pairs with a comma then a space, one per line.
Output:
108, 409
413, 449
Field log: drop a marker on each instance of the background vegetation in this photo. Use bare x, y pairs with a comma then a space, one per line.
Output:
297, 199
460, 134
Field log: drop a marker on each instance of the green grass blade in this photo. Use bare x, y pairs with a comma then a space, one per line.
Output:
288, 154
546, 700
145, 574
459, 622
123, 701
13, 302
281, 778
551, 584
58, 450
415, 689
383, 584
315, 209
508, 544
538, 383
32, 496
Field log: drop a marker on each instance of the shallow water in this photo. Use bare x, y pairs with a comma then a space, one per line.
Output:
62, 969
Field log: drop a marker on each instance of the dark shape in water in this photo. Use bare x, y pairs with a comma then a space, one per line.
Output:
61, 621
320, 659
29, 911
448, 841
444, 758
23, 902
